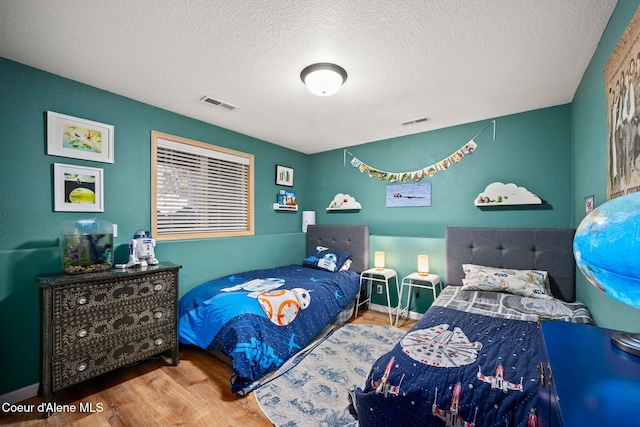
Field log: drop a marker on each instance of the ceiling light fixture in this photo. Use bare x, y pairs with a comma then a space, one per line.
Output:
323, 79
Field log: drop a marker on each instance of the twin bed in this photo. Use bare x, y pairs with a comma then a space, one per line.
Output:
471, 360
256, 320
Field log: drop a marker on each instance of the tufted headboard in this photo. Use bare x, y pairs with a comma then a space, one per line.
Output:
549, 249
350, 238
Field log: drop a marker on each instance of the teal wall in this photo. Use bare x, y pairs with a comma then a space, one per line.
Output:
30, 227
589, 130
532, 150
557, 153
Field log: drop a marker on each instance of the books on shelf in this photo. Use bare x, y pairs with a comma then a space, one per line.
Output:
287, 199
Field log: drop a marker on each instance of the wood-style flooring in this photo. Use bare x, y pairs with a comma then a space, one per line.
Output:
154, 393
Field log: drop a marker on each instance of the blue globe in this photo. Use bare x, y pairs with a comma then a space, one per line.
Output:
607, 248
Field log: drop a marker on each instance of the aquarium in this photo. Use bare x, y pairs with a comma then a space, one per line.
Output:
86, 245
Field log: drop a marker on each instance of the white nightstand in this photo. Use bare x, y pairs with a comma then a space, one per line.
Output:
382, 276
415, 280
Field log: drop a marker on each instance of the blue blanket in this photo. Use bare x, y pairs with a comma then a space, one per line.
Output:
261, 318
455, 368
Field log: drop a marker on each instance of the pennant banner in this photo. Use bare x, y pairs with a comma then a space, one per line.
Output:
427, 171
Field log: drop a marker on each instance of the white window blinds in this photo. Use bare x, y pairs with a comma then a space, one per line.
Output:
200, 190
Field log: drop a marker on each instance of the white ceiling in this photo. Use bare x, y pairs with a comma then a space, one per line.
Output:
454, 61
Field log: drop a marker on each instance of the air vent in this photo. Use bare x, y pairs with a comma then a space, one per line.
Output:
219, 104
420, 120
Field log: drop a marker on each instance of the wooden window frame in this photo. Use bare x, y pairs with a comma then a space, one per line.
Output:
216, 153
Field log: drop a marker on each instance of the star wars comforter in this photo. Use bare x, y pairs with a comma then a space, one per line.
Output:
261, 318
471, 360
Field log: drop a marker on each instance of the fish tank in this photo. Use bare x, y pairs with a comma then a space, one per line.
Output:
86, 245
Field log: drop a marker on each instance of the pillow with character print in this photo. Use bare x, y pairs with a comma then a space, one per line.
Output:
324, 258
526, 283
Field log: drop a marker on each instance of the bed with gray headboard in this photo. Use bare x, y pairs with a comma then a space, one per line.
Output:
256, 320
547, 249
472, 357
350, 238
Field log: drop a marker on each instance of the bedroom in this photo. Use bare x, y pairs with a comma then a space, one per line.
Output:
565, 144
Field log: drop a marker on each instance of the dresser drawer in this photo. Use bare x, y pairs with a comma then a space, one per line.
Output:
593, 383
79, 367
83, 297
96, 322
71, 334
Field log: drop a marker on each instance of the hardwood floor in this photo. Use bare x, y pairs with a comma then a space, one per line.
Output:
153, 393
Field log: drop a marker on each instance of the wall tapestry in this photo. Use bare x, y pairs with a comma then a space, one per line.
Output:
428, 171
622, 86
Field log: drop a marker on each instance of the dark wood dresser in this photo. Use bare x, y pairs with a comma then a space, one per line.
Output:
96, 322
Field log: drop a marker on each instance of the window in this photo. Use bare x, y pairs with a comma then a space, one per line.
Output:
199, 190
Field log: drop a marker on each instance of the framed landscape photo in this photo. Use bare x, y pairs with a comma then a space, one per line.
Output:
69, 136
284, 176
408, 195
77, 188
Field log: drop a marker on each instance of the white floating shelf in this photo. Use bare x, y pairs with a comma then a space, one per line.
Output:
279, 207
344, 202
500, 194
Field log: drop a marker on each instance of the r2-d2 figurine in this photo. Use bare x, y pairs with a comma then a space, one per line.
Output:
141, 252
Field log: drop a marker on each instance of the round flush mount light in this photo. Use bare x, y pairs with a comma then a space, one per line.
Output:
323, 79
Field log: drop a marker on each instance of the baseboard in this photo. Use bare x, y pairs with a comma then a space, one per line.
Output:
414, 315
21, 394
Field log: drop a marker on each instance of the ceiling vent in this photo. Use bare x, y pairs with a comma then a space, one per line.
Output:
220, 104
411, 122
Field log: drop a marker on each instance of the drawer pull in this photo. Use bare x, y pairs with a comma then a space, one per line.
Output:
82, 300
82, 367
157, 287
158, 341
541, 379
82, 333
159, 315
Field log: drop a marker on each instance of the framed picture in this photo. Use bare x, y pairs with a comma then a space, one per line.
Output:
588, 204
284, 176
622, 86
77, 188
407, 195
69, 136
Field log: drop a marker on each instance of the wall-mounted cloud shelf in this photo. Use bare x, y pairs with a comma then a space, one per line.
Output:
500, 194
344, 203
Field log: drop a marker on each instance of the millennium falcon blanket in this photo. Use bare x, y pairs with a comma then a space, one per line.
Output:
457, 368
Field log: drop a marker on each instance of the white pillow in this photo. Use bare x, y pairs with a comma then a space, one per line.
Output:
346, 266
526, 283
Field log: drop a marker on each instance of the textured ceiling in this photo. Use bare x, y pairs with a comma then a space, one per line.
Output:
454, 61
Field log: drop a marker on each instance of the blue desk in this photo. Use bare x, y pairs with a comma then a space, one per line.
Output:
593, 383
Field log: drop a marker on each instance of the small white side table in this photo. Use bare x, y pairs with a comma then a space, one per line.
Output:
415, 280
381, 276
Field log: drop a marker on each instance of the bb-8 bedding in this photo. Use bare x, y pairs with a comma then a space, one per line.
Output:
261, 318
